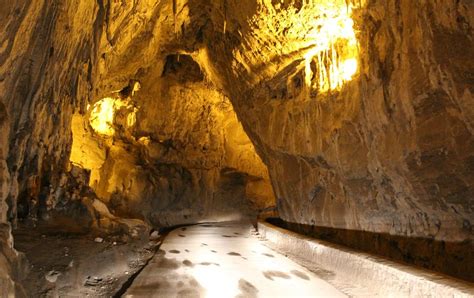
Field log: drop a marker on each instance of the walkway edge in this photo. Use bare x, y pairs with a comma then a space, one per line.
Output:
393, 279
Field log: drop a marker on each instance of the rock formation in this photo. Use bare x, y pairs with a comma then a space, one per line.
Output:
389, 152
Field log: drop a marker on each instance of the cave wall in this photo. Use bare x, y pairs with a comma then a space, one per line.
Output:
7, 257
59, 58
388, 153
187, 158
193, 125
41, 74
391, 152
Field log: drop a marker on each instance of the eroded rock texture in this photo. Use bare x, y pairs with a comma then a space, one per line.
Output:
391, 151
187, 157
41, 75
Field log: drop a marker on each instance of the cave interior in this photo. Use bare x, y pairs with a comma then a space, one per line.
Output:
127, 123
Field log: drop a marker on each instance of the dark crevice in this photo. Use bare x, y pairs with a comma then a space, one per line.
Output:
183, 68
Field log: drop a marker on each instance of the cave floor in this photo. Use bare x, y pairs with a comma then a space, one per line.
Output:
74, 264
224, 260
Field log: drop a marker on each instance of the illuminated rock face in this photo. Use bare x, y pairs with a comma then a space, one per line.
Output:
184, 158
391, 150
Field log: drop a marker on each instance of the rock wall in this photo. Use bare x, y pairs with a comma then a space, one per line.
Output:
391, 151
41, 74
186, 159
60, 58
7, 282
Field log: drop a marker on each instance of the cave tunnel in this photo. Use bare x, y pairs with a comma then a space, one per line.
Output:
236, 148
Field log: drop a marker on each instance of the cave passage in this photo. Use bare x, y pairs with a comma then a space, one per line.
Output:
237, 148
225, 259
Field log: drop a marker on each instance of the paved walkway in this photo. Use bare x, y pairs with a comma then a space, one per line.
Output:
224, 260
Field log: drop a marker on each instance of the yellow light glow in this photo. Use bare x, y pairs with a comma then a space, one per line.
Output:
144, 140
319, 31
102, 116
132, 118
334, 48
349, 69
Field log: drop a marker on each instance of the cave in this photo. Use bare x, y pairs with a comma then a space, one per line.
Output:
237, 148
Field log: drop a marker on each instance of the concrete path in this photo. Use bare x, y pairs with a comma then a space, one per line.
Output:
224, 260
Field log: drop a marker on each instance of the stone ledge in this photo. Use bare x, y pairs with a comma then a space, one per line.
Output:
365, 270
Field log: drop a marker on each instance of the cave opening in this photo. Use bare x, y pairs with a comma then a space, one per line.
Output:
236, 148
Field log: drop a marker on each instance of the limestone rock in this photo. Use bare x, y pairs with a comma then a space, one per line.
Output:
389, 152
